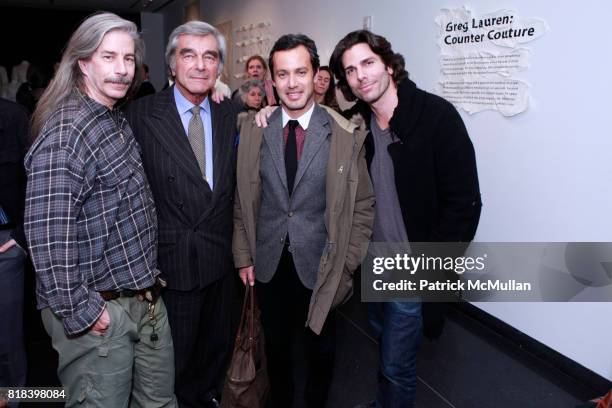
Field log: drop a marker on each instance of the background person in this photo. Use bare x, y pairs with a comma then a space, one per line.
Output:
325, 88
256, 68
13, 141
252, 94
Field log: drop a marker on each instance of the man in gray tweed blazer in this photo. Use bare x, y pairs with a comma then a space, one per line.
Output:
302, 218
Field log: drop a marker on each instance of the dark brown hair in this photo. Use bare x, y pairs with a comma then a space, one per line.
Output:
379, 45
291, 41
330, 95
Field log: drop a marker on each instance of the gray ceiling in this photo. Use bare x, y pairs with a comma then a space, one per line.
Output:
122, 6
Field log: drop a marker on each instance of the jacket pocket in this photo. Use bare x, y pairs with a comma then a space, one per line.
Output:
345, 289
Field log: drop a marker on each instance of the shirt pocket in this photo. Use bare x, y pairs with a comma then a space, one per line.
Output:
115, 170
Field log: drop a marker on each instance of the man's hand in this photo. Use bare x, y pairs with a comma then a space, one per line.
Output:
248, 272
261, 118
101, 325
7, 245
216, 96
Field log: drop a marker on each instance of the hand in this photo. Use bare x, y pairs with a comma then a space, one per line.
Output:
101, 325
261, 118
7, 245
248, 272
216, 96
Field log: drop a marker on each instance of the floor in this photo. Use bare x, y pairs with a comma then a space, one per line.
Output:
468, 367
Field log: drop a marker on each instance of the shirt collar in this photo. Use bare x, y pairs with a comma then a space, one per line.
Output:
303, 120
183, 105
96, 107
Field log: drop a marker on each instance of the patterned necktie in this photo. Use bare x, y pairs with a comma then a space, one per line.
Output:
195, 134
291, 161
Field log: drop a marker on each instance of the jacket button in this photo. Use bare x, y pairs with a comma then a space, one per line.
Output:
290, 214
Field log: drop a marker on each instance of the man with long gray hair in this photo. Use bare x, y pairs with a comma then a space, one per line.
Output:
92, 227
188, 153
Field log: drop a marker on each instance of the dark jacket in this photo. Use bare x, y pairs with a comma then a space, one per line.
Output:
195, 224
435, 174
145, 89
14, 133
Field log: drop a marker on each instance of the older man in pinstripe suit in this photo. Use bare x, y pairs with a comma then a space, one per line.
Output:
188, 153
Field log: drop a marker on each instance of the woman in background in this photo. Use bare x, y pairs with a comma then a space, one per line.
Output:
256, 68
252, 94
325, 88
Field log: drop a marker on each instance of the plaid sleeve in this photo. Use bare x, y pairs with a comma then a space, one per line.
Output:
57, 185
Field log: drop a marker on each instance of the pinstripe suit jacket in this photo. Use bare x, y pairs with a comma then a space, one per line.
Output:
195, 223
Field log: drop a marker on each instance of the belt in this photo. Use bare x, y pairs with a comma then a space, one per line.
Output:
151, 293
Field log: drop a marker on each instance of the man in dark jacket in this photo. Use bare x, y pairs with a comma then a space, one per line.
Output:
13, 141
423, 170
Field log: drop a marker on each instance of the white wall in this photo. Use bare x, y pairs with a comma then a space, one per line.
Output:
546, 174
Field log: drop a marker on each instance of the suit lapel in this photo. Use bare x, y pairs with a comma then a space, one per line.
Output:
169, 131
221, 143
273, 137
318, 130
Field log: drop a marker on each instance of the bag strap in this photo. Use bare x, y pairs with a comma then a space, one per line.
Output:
252, 314
243, 315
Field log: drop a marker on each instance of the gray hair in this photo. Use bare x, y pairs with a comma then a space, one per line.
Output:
82, 45
253, 83
200, 29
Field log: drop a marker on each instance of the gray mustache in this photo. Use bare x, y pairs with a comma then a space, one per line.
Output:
119, 80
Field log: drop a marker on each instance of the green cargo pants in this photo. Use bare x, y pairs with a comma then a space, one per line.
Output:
124, 366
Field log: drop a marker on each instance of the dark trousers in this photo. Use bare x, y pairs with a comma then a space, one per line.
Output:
12, 351
284, 308
200, 322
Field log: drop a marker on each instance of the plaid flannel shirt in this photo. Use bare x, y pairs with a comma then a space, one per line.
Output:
90, 219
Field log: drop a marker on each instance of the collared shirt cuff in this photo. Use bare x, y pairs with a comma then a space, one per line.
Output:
82, 320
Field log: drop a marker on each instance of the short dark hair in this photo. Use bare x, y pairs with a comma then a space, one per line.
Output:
379, 45
291, 41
